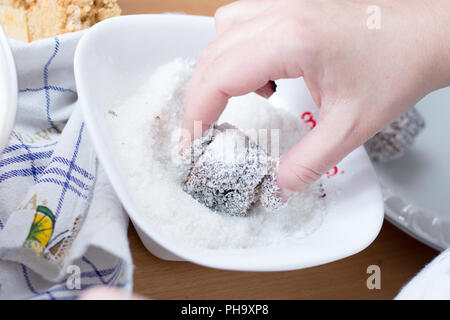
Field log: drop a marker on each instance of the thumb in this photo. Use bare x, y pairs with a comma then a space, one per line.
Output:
322, 148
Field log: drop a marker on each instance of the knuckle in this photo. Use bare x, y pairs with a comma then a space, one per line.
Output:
346, 128
223, 17
224, 12
221, 14
304, 174
349, 121
291, 27
207, 75
301, 34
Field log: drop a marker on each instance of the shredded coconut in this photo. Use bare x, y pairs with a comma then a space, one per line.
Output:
145, 128
229, 172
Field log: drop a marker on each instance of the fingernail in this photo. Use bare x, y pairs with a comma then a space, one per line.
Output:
183, 143
273, 85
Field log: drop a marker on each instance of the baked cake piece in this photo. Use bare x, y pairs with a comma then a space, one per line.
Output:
11, 3
393, 141
229, 172
13, 20
47, 18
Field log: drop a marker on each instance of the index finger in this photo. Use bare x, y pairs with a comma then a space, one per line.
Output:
239, 70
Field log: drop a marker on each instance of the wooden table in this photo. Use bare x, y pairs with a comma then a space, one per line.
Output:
399, 256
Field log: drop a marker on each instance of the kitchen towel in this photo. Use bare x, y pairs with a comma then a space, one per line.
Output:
62, 228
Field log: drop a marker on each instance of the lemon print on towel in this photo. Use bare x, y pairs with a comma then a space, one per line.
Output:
41, 230
42, 240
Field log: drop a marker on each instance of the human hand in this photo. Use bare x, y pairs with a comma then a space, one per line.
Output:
360, 78
108, 293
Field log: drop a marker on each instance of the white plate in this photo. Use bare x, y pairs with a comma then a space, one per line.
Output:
416, 187
8, 90
115, 56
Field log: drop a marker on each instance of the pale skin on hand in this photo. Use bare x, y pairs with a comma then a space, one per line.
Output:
108, 293
360, 78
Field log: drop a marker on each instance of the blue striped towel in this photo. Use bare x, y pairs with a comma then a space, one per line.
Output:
62, 229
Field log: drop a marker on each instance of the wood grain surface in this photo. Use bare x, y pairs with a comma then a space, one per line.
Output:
399, 256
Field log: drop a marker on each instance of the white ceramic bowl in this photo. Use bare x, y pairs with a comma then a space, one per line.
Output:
114, 57
8, 90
